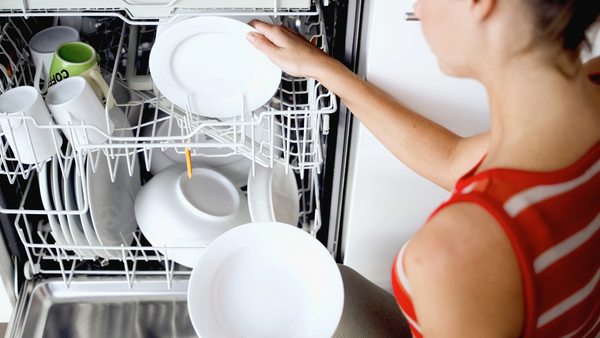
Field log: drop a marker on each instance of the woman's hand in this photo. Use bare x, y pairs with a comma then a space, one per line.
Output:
290, 51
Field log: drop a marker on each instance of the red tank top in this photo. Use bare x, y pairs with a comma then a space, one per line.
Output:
553, 222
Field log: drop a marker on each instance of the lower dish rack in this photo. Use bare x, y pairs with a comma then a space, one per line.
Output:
288, 131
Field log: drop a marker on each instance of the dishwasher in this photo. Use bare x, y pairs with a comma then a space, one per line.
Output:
65, 290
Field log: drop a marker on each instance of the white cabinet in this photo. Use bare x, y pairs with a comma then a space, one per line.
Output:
386, 203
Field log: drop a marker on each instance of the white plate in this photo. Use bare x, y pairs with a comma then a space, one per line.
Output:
174, 211
45, 189
265, 280
207, 64
112, 203
74, 220
163, 27
273, 195
56, 187
86, 221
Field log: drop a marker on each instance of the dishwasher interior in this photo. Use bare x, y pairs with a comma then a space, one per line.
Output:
137, 288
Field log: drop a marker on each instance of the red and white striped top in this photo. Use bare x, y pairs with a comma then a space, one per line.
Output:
553, 222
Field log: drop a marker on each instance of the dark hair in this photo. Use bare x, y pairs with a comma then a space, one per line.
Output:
564, 21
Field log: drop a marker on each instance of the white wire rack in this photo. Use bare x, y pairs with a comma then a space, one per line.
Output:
289, 129
134, 10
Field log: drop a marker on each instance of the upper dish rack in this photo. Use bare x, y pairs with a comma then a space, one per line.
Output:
290, 129
135, 10
287, 129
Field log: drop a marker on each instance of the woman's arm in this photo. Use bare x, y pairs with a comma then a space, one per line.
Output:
429, 149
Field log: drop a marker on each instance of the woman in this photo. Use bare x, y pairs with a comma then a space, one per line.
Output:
515, 251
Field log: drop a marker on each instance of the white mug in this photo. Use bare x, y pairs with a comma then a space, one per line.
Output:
42, 47
29, 143
72, 101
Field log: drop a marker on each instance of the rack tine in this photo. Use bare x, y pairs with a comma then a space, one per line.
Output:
126, 266
59, 252
71, 273
46, 243
168, 269
139, 244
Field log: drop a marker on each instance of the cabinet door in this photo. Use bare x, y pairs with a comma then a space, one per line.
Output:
386, 203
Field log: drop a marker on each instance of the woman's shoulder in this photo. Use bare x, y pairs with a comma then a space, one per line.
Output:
461, 234
462, 270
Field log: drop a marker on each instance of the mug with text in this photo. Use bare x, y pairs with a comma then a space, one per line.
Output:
79, 59
42, 47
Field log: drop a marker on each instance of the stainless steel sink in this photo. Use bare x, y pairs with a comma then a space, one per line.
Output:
101, 308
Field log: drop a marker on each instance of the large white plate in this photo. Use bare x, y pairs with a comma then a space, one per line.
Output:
74, 220
112, 203
45, 189
175, 211
273, 195
207, 64
86, 221
265, 280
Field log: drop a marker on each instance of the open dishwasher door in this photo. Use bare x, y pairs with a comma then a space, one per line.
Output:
102, 308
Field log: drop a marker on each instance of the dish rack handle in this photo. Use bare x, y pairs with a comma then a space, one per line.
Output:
149, 5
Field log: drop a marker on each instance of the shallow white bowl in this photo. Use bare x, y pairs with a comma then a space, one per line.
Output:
175, 211
273, 195
265, 280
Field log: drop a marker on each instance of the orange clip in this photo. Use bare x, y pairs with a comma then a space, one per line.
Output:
188, 160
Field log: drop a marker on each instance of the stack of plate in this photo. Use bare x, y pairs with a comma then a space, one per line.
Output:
109, 219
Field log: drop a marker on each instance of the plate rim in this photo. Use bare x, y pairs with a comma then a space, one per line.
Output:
69, 203
48, 204
56, 188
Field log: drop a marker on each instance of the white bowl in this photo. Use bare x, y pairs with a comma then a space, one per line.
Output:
175, 211
265, 280
273, 195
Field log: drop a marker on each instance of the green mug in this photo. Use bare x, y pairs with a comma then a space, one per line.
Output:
79, 59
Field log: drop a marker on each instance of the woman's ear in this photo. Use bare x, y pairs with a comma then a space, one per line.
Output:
482, 9
592, 69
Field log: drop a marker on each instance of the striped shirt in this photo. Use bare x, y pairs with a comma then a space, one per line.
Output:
553, 222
